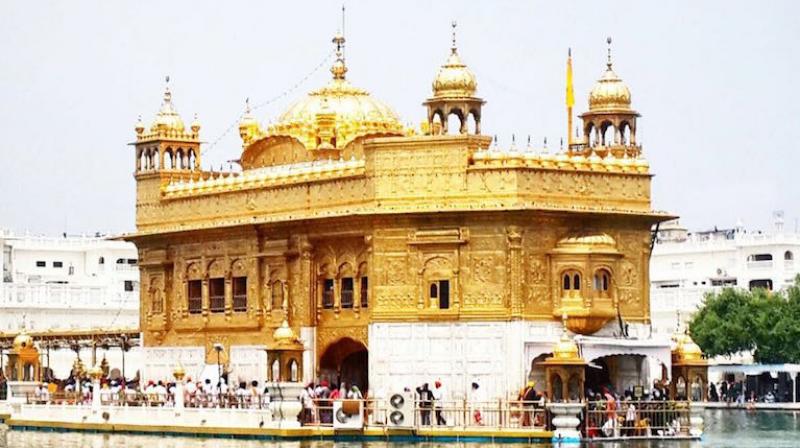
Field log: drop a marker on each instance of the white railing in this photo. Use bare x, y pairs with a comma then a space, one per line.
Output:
684, 299
23, 295
125, 267
762, 264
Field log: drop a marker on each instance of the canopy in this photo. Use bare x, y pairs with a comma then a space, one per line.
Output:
593, 347
754, 369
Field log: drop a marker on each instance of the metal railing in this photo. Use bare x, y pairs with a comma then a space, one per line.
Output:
135, 398
636, 419
501, 414
599, 419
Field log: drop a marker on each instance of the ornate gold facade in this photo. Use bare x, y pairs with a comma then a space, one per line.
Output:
342, 217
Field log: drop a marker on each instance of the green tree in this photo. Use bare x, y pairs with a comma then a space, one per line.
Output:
736, 320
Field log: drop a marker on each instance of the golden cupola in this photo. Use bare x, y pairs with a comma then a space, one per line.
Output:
686, 351
167, 124
167, 118
454, 80
454, 93
609, 92
609, 127
337, 114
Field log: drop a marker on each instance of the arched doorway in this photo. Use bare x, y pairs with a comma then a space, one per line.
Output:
346, 360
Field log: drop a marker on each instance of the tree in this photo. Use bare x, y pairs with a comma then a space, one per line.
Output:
735, 320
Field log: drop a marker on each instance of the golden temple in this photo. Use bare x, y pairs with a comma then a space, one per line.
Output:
342, 217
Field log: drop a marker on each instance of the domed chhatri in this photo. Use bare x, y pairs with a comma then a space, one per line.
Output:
355, 113
454, 80
609, 93
167, 118
454, 93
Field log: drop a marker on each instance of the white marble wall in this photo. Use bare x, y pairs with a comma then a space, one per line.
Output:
248, 363
409, 354
158, 363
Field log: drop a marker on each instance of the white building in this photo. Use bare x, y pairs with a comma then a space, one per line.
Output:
67, 283
686, 265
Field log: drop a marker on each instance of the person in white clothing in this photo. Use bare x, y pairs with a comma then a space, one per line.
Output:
438, 405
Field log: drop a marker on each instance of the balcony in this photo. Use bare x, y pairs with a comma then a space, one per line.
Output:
762, 264
57, 296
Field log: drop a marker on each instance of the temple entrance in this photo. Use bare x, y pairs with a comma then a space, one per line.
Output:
621, 374
346, 360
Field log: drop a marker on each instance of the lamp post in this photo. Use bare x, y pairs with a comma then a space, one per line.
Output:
124, 347
218, 348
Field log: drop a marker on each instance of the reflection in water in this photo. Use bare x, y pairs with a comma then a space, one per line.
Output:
724, 429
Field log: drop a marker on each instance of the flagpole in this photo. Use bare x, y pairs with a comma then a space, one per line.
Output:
570, 99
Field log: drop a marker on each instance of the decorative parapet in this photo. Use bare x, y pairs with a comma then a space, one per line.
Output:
494, 158
273, 176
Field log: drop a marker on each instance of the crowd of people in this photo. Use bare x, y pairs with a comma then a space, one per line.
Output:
206, 393
735, 392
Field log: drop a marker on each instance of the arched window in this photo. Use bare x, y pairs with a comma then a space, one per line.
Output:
276, 371
293, 371
454, 123
434, 291
602, 282
101, 260
277, 295
788, 255
609, 134
571, 284
591, 134
558, 388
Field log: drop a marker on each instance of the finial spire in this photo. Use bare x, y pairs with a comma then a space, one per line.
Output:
167, 93
453, 48
247, 105
608, 41
339, 68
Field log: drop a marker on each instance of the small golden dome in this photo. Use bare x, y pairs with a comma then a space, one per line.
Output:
592, 241
284, 334
566, 349
167, 118
23, 341
609, 93
686, 350
454, 80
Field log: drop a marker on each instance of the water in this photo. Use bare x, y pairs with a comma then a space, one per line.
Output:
724, 429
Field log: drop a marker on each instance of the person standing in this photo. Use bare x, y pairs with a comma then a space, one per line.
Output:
476, 398
425, 404
438, 405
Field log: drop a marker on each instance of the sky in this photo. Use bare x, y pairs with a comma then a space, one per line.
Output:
715, 82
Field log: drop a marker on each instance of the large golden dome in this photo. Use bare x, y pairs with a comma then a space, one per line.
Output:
351, 111
609, 93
